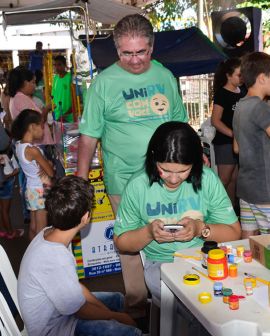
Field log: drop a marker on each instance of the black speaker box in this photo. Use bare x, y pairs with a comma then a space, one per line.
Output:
237, 31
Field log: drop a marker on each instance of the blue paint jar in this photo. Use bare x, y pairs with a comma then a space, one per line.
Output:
218, 286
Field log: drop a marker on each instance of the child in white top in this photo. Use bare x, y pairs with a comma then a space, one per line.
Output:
28, 129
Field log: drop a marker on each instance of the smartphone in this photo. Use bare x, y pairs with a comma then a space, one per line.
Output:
173, 227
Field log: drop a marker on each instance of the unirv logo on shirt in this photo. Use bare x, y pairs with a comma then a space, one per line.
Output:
149, 102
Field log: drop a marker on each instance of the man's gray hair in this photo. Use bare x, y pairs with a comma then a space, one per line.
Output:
134, 25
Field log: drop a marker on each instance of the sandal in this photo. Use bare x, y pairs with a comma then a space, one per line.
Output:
15, 234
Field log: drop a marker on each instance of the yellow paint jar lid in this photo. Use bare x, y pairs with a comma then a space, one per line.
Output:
191, 279
216, 254
205, 297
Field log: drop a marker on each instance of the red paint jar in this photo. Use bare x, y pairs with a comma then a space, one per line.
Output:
247, 256
217, 265
233, 302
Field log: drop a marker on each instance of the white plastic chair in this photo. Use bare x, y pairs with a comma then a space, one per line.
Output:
11, 284
209, 151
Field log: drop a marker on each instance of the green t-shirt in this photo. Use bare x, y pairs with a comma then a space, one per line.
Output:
124, 110
141, 204
61, 91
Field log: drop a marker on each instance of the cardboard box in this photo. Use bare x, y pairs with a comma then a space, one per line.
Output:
260, 248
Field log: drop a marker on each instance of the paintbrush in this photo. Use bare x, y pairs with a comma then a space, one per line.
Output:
201, 273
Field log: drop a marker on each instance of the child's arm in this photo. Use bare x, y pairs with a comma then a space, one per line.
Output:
218, 123
94, 309
33, 153
268, 131
235, 146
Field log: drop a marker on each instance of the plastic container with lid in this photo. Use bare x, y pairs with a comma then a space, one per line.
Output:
217, 265
249, 288
226, 292
247, 256
233, 302
218, 288
240, 250
233, 271
207, 246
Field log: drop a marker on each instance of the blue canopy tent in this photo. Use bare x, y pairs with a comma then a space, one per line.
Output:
185, 52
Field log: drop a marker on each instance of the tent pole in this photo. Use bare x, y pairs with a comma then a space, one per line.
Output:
86, 16
201, 26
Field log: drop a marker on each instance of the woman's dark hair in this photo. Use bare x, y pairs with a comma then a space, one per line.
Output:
175, 142
22, 121
16, 79
225, 68
68, 201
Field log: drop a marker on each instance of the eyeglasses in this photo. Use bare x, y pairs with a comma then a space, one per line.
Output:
129, 55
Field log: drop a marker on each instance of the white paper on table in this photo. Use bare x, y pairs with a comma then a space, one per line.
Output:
260, 295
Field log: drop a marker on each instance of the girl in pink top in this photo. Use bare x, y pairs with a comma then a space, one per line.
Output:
21, 86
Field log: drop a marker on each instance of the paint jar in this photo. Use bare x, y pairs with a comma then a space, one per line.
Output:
223, 248
207, 246
218, 288
233, 302
249, 288
229, 249
252, 280
247, 256
240, 251
217, 265
230, 258
226, 292
233, 271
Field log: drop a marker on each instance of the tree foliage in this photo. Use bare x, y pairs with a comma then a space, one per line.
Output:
162, 13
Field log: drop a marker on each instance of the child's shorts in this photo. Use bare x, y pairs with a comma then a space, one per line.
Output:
6, 189
35, 199
255, 217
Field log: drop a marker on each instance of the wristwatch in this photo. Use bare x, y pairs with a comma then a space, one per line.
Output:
206, 231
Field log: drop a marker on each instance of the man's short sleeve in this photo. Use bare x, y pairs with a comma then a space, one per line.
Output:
261, 115
179, 110
92, 121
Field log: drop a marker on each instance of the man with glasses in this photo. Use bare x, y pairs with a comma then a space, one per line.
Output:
124, 106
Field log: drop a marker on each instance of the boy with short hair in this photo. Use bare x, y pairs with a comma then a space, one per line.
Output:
51, 298
61, 90
251, 126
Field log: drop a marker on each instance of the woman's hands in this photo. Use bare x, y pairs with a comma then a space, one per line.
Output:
158, 233
191, 229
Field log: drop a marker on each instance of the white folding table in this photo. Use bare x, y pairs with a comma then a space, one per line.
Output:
252, 318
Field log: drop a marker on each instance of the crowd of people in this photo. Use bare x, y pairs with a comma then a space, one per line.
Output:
154, 173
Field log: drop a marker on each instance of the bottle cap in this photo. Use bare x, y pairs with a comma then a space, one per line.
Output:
227, 291
191, 279
216, 254
205, 297
233, 298
218, 285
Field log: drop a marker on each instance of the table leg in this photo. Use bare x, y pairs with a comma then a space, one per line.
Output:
167, 311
